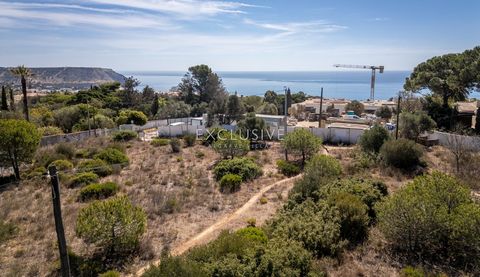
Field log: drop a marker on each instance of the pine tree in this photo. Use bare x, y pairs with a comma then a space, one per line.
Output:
4, 99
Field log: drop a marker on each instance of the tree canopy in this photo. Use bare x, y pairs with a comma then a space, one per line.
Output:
450, 76
302, 142
18, 144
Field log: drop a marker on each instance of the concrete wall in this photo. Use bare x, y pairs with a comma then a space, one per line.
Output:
472, 142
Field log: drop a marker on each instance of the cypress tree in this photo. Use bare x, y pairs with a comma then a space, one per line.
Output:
4, 99
12, 100
155, 106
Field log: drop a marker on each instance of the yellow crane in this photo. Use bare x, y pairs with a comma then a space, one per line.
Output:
374, 71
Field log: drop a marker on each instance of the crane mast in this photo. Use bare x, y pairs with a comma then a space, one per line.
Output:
374, 69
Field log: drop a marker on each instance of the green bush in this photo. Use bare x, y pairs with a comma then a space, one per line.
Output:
319, 170
176, 267
50, 131
230, 183
65, 149
62, 165
410, 271
354, 215
110, 273
159, 142
433, 219
83, 178
231, 145
401, 153
317, 226
124, 135
45, 156
7, 231
370, 192
112, 156
372, 139
131, 116
98, 191
96, 222
254, 234
190, 140
176, 145
96, 166
36, 172
244, 167
285, 257
287, 168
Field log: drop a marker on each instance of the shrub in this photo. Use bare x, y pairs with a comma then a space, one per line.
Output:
285, 257
231, 145
159, 142
317, 226
199, 154
318, 171
62, 165
124, 135
410, 271
131, 116
96, 166
353, 213
401, 153
435, 219
254, 234
244, 167
372, 139
230, 183
7, 231
112, 156
287, 168
110, 273
65, 149
263, 200
50, 131
368, 191
176, 267
98, 191
96, 222
189, 140
83, 178
36, 172
176, 145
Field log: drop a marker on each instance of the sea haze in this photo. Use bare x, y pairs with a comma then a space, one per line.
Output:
336, 84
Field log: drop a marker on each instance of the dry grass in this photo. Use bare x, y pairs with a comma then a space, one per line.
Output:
177, 190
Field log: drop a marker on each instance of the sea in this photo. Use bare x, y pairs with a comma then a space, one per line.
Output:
354, 85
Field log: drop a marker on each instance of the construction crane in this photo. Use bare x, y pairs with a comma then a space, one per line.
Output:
371, 67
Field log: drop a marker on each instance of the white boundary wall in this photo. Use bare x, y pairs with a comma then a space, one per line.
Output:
472, 142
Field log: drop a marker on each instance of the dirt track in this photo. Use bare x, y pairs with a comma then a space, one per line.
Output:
236, 218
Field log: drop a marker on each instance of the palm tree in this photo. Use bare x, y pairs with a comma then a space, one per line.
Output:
23, 72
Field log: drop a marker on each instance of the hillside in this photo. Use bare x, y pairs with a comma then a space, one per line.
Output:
64, 77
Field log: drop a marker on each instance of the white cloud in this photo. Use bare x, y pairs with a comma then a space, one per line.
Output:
318, 26
184, 8
26, 13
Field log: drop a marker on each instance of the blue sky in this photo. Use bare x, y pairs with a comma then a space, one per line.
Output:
230, 35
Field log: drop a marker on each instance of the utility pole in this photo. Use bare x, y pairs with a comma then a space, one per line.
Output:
286, 120
321, 107
57, 212
398, 116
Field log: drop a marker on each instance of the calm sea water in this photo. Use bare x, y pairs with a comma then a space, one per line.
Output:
336, 84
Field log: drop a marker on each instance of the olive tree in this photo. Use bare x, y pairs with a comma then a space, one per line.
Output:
302, 142
114, 225
18, 143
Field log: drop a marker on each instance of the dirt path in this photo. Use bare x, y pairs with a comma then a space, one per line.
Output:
211, 232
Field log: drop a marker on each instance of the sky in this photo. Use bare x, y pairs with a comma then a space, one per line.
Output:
280, 35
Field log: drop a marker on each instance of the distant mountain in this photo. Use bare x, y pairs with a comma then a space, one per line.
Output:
64, 77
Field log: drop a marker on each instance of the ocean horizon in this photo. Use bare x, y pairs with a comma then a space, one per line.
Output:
353, 85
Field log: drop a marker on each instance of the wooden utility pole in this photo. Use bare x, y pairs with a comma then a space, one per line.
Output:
398, 116
57, 212
321, 107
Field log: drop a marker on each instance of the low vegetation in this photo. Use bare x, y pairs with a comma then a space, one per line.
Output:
98, 191
401, 153
288, 169
124, 135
